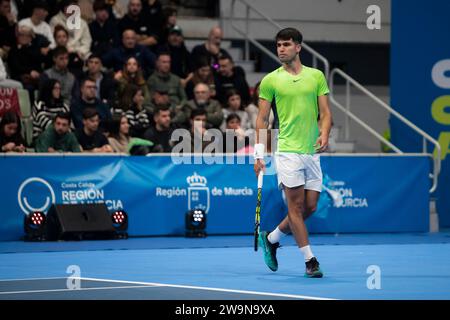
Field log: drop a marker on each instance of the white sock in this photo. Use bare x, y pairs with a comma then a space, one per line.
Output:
275, 236
307, 253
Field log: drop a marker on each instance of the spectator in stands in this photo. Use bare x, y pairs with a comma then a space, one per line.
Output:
53, 8
60, 72
47, 106
79, 39
21, 8
40, 40
75, 64
161, 132
86, 10
160, 98
104, 30
202, 100
89, 137
202, 74
230, 76
132, 104
180, 58
252, 108
169, 21
117, 57
119, 133
57, 137
24, 61
198, 131
211, 49
116, 9
5, 82
233, 136
88, 99
163, 75
136, 20
106, 85
234, 105
132, 74
153, 12
11, 139
37, 22
7, 28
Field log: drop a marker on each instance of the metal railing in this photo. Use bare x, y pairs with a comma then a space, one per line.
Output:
425, 136
246, 34
249, 39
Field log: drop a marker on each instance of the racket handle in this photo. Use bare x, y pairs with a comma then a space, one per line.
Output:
260, 179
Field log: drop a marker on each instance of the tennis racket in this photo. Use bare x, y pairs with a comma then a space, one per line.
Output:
258, 208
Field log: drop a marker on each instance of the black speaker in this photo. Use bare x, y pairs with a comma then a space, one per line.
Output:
79, 222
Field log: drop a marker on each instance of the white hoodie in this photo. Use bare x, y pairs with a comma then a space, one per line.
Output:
79, 40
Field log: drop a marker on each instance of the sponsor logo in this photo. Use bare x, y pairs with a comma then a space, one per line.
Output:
344, 196
199, 194
35, 194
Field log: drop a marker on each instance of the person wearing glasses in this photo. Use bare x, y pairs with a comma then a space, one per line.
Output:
88, 99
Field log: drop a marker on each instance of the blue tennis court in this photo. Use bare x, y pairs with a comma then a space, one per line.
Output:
411, 266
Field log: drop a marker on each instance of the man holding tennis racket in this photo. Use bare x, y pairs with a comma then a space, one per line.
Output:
300, 93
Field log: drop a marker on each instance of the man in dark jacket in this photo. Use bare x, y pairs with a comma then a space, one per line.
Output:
230, 76
181, 64
89, 99
117, 57
161, 132
104, 31
89, 137
138, 21
24, 60
106, 84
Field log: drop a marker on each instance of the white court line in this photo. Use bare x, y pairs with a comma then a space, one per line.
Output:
282, 295
32, 279
74, 290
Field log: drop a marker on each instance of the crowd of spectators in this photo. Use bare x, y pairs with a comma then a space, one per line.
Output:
123, 73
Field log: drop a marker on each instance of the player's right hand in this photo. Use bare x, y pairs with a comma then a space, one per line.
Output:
258, 166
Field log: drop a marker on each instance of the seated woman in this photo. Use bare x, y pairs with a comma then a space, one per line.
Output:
132, 104
132, 74
48, 105
234, 105
119, 133
11, 139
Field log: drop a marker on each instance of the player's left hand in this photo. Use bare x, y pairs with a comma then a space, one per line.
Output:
321, 144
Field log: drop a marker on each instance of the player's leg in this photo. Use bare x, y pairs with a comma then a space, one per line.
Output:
296, 206
283, 229
311, 199
288, 167
313, 186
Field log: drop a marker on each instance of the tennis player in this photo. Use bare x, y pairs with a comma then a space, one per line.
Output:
300, 93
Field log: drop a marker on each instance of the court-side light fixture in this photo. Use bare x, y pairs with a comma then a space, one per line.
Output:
35, 224
120, 223
196, 223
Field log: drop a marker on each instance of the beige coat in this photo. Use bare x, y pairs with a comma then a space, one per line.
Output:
79, 40
119, 146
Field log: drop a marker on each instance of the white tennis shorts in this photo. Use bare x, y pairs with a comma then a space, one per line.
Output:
295, 170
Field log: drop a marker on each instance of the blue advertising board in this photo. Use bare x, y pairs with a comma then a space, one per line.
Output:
361, 194
420, 83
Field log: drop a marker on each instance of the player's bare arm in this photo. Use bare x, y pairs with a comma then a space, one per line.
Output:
262, 123
324, 124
